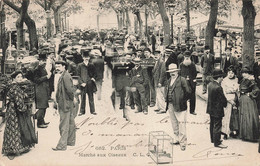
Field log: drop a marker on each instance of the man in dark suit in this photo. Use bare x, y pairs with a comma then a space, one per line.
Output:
149, 89
188, 71
98, 62
120, 80
160, 79
87, 76
41, 79
215, 107
176, 95
229, 60
65, 98
207, 64
138, 81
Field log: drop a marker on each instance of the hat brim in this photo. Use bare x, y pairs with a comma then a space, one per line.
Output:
172, 70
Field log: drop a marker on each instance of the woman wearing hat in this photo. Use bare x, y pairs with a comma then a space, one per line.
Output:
248, 113
230, 87
19, 135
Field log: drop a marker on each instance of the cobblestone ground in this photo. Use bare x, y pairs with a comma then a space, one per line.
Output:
107, 139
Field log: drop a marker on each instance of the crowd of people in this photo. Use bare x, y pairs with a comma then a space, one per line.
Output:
142, 76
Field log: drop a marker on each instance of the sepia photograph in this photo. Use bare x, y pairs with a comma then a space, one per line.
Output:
130, 82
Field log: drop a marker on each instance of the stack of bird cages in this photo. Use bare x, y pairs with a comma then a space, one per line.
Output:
160, 148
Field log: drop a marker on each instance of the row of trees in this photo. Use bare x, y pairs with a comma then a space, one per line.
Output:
214, 8
49, 7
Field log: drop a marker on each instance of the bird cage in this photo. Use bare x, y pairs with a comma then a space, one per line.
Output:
160, 148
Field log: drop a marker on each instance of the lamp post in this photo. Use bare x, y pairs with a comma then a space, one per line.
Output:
171, 11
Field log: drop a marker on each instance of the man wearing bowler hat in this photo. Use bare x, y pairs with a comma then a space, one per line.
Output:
207, 64
188, 71
176, 94
87, 76
138, 81
65, 98
215, 107
42, 90
229, 60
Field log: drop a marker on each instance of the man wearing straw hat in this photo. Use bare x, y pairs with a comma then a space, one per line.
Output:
176, 94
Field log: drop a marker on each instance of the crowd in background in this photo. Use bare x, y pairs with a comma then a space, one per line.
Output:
143, 75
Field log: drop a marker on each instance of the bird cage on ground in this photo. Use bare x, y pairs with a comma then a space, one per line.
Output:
160, 148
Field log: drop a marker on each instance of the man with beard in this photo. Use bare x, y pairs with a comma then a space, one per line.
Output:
87, 76
41, 79
188, 71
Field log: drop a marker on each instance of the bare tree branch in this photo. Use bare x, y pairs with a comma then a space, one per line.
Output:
13, 6
39, 3
61, 4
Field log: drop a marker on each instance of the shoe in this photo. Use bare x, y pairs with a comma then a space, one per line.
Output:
219, 141
132, 107
193, 113
152, 104
138, 111
71, 144
42, 126
94, 113
183, 148
46, 123
157, 110
145, 112
221, 146
204, 92
11, 157
161, 112
121, 107
58, 149
80, 114
175, 143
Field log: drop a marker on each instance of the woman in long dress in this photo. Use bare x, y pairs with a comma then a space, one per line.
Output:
19, 135
248, 113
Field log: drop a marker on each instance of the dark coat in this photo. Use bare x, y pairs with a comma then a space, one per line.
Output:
138, 76
85, 74
233, 62
65, 92
207, 63
120, 79
180, 92
159, 73
216, 100
189, 71
41, 87
99, 65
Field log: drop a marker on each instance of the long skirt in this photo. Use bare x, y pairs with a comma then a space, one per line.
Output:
249, 120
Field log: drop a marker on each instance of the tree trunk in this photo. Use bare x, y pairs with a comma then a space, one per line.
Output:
188, 14
166, 23
56, 20
123, 19
3, 37
138, 15
118, 20
135, 25
48, 24
248, 13
32, 31
209, 40
20, 34
128, 21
